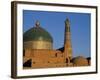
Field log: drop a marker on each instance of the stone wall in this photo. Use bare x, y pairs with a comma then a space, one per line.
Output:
45, 58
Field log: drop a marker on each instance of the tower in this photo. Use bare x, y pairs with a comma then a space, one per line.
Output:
67, 42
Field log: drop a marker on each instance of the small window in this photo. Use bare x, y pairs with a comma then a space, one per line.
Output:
66, 60
56, 55
33, 62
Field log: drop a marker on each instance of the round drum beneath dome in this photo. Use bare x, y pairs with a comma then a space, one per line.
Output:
37, 45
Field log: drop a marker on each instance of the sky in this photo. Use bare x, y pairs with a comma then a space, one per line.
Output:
54, 23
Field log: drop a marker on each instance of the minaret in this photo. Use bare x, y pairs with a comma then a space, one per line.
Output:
67, 42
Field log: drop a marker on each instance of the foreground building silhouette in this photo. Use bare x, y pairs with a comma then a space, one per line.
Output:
39, 53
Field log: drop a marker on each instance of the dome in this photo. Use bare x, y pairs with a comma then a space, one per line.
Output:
37, 38
37, 33
80, 61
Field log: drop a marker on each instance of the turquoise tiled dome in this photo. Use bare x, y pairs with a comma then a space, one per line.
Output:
37, 33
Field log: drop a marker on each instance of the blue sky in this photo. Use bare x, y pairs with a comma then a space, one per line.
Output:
53, 22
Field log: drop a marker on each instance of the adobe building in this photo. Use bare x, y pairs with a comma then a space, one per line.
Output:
39, 53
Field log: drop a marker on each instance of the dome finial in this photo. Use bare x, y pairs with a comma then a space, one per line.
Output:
37, 23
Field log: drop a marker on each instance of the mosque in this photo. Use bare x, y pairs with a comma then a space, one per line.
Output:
38, 50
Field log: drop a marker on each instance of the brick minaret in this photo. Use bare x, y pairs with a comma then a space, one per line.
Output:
67, 42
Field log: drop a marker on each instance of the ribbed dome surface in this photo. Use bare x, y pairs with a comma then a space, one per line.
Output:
36, 34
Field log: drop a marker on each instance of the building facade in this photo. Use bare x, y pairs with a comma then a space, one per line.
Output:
39, 53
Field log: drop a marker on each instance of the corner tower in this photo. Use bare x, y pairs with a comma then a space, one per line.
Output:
67, 42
